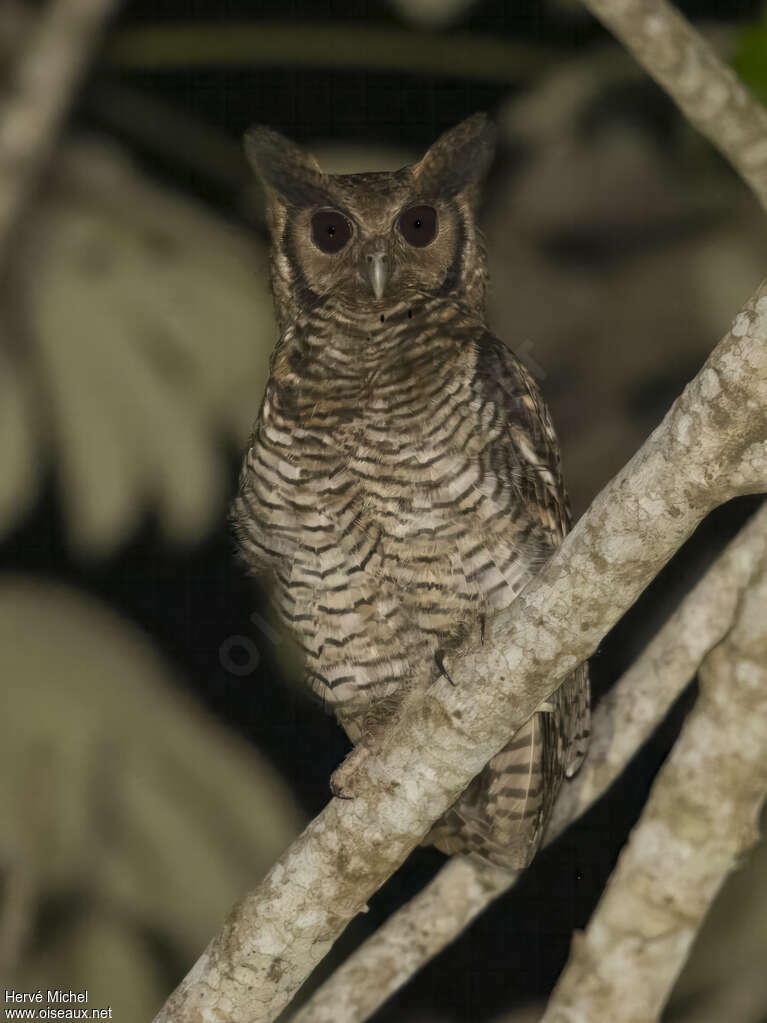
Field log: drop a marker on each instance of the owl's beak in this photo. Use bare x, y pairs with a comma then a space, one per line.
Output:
378, 272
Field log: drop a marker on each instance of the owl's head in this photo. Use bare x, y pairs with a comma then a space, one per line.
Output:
363, 241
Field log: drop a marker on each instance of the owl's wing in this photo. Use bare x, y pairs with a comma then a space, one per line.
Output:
502, 815
530, 440
526, 453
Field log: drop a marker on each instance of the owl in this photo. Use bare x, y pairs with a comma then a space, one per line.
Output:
403, 477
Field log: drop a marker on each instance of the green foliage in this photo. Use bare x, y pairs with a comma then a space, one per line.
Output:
751, 59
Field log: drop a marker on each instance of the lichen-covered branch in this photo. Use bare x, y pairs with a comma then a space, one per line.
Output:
318, 44
629, 713
707, 92
37, 96
700, 819
716, 432
625, 718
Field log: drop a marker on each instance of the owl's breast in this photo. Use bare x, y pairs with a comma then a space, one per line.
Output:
386, 524
407, 490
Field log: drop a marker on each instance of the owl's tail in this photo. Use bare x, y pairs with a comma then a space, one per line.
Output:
502, 815
498, 817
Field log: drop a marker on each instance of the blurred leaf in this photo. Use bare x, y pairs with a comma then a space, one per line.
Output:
351, 158
153, 325
432, 14
18, 478
123, 807
114, 963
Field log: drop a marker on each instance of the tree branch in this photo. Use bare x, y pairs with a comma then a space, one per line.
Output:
699, 821
715, 431
318, 44
405, 942
38, 96
625, 718
707, 92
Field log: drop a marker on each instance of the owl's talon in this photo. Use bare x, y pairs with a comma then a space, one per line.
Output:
342, 779
336, 788
439, 657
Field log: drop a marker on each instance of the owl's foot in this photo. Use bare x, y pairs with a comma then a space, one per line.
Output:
342, 779
338, 783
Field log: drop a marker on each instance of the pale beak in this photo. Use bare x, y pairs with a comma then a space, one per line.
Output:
378, 273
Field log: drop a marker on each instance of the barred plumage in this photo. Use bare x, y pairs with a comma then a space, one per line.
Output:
403, 477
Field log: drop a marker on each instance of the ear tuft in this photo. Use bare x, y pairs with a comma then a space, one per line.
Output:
459, 159
284, 167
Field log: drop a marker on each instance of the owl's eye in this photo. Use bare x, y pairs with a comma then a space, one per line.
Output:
330, 230
418, 225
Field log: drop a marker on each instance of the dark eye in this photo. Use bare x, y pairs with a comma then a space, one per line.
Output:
330, 230
418, 225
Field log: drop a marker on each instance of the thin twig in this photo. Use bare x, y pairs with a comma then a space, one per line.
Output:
318, 44
38, 96
707, 92
623, 721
